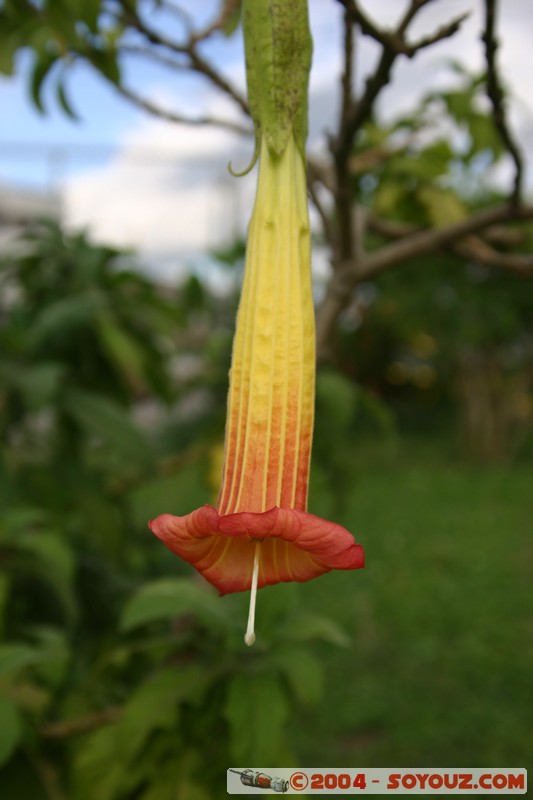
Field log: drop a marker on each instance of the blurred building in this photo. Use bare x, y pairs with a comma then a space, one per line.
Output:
20, 208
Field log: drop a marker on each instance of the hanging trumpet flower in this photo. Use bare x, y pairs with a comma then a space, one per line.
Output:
260, 533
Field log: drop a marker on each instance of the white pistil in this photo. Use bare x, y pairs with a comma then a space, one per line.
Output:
249, 636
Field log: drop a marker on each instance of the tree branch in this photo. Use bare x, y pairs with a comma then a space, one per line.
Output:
327, 223
411, 13
48, 774
200, 65
344, 243
413, 245
422, 242
443, 32
181, 14
472, 247
182, 119
64, 729
151, 53
395, 40
228, 8
393, 44
497, 97
197, 63
475, 249
496, 234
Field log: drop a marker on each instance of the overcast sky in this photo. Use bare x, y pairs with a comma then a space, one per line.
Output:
164, 189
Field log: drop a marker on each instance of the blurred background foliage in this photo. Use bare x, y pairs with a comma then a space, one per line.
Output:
121, 669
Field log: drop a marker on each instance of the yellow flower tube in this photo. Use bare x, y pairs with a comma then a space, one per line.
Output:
260, 533
272, 380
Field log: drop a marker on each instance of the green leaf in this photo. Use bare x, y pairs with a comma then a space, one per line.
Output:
38, 383
155, 705
459, 104
89, 11
102, 417
54, 655
378, 410
164, 789
99, 763
10, 729
302, 671
5, 586
431, 162
443, 207
65, 103
232, 21
7, 53
389, 197
56, 561
337, 397
15, 656
17, 521
304, 627
42, 66
257, 710
63, 316
105, 61
109, 754
53, 552
168, 598
124, 351
484, 135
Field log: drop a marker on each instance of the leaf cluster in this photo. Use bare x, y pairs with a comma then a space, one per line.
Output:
58, 33
118, 669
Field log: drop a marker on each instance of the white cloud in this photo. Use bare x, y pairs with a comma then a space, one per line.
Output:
168, 192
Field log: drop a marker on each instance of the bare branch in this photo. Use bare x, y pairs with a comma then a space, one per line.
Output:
343, 244
505, 237
413, 245
472, 247
197, 63
422, 242
354, 14
411, 13
325, 218
182, 119
154, 55
390, 228
48, 773
495, 234
395, 40
443, 32
497, 97
475, 249
335, 300
179, 12
228, 8
347, 73
62, 730
394, 44
362, 109
130, 16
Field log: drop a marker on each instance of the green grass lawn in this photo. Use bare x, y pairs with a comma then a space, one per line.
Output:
440, 672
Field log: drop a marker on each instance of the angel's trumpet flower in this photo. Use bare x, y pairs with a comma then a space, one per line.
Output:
260, 533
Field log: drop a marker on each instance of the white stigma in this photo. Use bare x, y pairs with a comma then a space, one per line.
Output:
249, 636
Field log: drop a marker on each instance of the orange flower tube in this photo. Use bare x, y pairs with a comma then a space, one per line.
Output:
260, 533
261, 524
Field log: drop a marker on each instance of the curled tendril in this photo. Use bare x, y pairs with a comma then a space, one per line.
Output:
250, 166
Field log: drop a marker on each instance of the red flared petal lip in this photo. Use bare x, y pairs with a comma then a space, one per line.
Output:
295, 545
